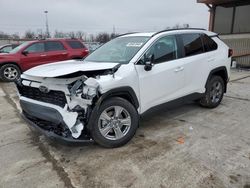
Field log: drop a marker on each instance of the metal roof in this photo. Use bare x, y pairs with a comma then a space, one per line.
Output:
224, 2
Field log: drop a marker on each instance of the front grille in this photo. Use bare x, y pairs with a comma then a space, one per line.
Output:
53, 97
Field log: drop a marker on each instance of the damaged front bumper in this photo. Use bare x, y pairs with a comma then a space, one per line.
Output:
58, 108
51, 121
34, 126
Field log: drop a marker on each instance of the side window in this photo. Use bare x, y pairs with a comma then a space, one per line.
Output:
35, 48
209, 44
165, 49
75, 44
192, 44
6, 49
54, 46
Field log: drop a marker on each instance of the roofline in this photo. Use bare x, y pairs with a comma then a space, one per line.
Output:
166, 30
179, 29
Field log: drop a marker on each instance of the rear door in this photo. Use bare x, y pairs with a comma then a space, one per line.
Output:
195, 62
34, 55
77, 49
55, 51
164, 82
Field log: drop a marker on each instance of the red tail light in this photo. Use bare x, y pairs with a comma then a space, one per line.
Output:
230, 52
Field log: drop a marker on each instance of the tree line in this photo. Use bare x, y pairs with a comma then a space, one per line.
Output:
101, 37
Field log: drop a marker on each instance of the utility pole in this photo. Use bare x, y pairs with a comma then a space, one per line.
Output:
47, 24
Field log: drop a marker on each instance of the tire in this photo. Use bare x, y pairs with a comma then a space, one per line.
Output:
214, 92
107, 128
10, 72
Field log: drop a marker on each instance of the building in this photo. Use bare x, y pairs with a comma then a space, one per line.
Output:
231, 20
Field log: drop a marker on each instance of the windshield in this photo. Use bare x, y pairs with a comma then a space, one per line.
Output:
16, 49
119, 50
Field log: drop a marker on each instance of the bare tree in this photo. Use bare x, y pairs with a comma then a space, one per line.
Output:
15, 36
4, 35
80, 34
91, 38
59, 34
71, 34
102, 37
113, 35
29, 34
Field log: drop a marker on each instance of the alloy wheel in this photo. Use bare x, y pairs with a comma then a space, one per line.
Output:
114, 122
216, 92
10, 73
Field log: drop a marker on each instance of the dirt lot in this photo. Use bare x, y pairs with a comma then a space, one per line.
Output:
179, 147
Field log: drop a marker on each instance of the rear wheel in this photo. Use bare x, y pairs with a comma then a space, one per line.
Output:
214, 92
10, 72
114, 123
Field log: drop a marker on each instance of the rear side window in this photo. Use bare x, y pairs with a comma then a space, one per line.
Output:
209, 44
54, 46
192, 44
75, 44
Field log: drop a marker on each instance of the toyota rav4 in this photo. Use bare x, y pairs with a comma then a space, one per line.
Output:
101, 97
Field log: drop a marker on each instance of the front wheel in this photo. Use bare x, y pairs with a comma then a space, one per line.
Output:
214, 92
114, 123
10, 72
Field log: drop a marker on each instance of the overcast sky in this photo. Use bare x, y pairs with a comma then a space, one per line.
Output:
92, 16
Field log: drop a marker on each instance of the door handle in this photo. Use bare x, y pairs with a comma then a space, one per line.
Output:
43, 55
178, 69
64, 53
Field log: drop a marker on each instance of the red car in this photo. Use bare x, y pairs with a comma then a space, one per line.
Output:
34, 53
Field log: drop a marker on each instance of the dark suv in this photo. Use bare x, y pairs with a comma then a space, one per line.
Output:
39, 52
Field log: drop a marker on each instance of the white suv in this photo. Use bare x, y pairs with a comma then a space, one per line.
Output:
101, 97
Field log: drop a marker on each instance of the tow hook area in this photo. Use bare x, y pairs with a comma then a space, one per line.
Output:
53, 114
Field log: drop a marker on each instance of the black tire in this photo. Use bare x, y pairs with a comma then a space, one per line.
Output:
96, 122
9, 72
214, 92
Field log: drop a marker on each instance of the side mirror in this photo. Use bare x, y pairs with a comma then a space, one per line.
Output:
149, 63
25, 52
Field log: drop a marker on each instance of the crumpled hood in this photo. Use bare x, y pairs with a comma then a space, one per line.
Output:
67, 67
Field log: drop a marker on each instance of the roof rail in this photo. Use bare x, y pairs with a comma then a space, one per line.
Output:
126, 34
178, 29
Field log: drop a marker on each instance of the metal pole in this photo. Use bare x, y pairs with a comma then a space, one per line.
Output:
47, 24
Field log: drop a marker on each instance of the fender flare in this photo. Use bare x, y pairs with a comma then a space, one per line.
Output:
119, 92
214, 71
116, 92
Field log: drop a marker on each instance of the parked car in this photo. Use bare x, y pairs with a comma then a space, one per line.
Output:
39, 52
92, 46
102, 97
7, 48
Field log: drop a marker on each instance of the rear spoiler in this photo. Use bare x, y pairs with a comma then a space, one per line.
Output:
215, 35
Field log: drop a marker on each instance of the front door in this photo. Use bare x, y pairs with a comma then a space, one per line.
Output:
164, 82
33, 55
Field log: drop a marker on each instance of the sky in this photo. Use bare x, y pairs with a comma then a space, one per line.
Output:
94, 16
